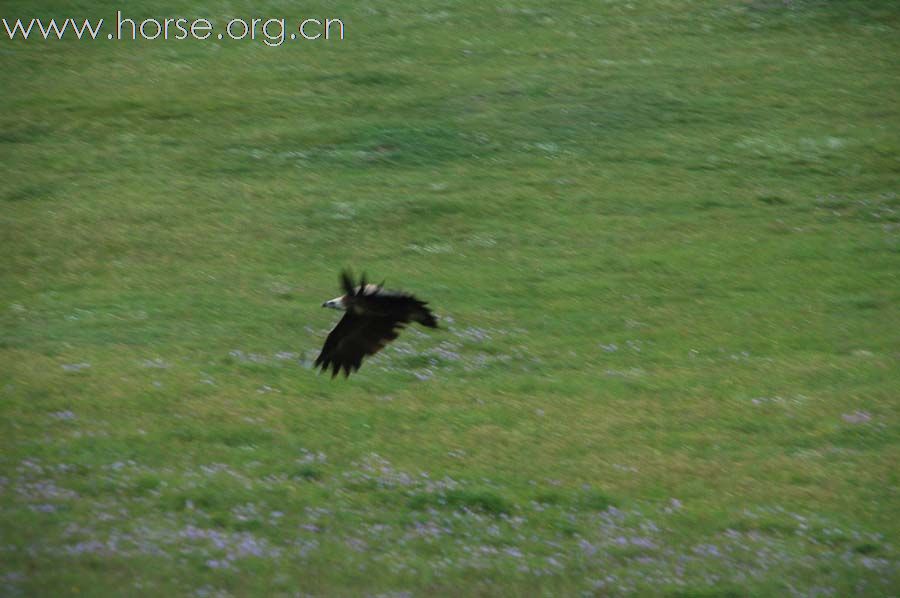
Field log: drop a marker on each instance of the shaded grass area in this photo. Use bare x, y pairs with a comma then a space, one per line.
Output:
662, 239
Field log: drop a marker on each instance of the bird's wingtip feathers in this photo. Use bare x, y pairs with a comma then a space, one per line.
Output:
347, 281
362, 284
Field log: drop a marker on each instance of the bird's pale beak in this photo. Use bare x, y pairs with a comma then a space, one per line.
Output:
334, 303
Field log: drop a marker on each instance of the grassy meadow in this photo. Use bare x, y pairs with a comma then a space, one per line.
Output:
663, 239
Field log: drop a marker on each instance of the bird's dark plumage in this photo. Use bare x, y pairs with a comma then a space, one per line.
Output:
373, 317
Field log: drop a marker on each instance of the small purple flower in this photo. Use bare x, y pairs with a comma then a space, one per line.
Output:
643, 542
707, 550
586, 547
857, 417
43, 508
218, 564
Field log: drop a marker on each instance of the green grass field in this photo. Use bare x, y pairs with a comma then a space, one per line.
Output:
662, 238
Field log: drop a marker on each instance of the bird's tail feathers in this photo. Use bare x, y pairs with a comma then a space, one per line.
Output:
423, 316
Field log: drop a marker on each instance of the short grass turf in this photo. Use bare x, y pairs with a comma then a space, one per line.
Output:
662, 238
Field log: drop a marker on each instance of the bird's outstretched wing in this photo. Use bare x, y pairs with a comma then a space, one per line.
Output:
355, 337
397, 305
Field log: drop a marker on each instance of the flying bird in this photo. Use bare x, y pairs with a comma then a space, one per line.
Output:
373, 317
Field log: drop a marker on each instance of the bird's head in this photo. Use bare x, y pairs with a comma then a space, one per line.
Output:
337, 303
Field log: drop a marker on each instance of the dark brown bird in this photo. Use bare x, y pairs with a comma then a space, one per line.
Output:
373, 317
